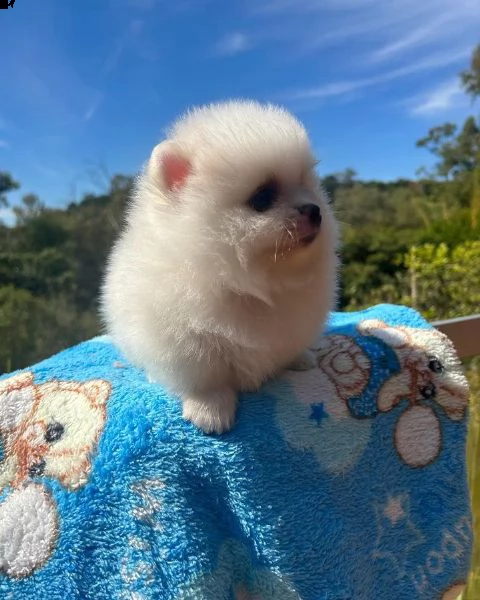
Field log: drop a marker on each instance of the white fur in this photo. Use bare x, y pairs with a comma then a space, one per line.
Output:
204, 293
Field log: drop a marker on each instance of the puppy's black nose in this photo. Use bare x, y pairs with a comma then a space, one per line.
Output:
311, 211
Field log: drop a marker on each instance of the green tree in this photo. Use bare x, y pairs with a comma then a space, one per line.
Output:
20, 317
29, 208
439, 277
7, 184
471, 76
458, 149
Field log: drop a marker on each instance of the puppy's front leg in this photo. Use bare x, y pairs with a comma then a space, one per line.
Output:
213, 411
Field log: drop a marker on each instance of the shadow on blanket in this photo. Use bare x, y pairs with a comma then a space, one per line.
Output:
345, 482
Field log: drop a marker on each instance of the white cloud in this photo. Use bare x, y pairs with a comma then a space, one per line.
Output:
133, 30
443, 97
376, 31
309, 6
331, 89
233, 43
340, 88
93, 107
418, 37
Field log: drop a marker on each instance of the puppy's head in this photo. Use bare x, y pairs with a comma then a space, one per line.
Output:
238, 181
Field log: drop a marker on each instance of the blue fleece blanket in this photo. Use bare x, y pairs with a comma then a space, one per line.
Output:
345, 482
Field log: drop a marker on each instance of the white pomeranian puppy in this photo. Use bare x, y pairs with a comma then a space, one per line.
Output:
226, 269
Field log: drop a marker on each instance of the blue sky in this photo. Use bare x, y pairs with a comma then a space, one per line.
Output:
89, 86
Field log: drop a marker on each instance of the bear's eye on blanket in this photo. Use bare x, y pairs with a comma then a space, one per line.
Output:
435, 365
54, 432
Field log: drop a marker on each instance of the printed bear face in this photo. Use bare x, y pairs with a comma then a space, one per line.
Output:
431, 377
430, 368
50, 429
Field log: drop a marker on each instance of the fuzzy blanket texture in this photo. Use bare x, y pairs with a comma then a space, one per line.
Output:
344, 482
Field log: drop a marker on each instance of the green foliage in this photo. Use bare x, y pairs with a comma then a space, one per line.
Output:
7, 184
471, 77
445, 282
43, 273
457, 151
453, 230
20, 314
32, 327
51, 264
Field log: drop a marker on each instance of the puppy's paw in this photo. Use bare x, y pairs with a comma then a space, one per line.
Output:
212, 412
304, 361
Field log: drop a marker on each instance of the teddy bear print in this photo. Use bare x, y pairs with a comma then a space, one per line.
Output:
430, 377
46, 430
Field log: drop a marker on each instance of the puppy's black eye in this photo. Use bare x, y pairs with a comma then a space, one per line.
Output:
264, 197
54, 432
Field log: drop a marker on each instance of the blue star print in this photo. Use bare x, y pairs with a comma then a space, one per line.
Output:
318, 413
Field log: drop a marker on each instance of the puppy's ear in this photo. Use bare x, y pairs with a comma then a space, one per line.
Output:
169, 166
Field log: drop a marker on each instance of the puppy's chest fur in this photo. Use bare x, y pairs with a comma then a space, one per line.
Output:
250, 340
